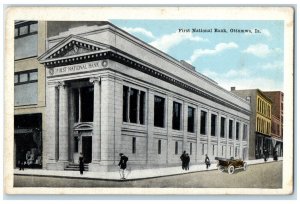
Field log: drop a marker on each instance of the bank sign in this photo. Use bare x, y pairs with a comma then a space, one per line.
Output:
76, 68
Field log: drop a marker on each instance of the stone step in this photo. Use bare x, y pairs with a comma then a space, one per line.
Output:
75, 167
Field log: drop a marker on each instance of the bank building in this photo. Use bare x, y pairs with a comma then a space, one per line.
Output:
108, 92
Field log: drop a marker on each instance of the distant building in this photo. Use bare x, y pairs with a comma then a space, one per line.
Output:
260, 122
277, 119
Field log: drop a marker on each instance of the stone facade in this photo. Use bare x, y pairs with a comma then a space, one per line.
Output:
125, 76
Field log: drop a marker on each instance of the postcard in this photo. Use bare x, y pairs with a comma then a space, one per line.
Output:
149, 100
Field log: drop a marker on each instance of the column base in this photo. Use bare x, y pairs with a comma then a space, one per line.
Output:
56, 165
62, 164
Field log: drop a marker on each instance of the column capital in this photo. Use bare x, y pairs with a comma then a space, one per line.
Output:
61, 84
95, 79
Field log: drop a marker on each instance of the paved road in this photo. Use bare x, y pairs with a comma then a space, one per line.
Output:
268, 175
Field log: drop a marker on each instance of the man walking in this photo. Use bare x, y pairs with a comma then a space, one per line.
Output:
207, 161
187, 164
266, 155
123, 164
183, 160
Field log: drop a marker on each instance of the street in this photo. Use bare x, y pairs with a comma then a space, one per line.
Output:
267, 175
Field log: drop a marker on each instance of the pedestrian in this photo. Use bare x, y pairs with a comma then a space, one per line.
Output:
22, 160
123, 165
187, 162
275, 156
81, 163
266, 155
183, 160
207, 161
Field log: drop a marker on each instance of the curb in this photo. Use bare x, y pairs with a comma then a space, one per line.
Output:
130, 179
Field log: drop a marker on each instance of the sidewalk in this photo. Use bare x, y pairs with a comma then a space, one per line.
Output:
132, 174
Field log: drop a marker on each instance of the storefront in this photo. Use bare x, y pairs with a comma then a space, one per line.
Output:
28, 140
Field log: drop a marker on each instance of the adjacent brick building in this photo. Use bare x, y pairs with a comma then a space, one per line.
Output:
277, 119
260, 122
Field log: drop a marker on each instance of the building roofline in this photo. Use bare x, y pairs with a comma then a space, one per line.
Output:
158, 52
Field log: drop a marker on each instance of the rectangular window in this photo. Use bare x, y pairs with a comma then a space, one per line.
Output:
76, 145
191, 148
33, 76
237, 128
25, 88
24, 77
176, 116
213, 125
222, 133
16, 32
191, 115
33, 28
202, 149
203, 122
213, 150
87, 104
230, 129
222, 150
133, 105
16, 78
26, 28
125, 103
245, 132
159, 147
26, 40
176, 147
159, 111
142, 107
236, 152
231, 151
133, 145
23, 30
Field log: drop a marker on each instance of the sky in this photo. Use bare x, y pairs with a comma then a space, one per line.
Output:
243, 60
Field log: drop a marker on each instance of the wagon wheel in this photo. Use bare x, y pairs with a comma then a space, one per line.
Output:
220, 168
245, 166
231, 169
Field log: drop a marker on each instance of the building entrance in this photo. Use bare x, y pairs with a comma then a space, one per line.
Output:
87, 149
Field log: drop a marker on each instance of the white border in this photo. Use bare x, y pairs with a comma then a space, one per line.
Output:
105, 13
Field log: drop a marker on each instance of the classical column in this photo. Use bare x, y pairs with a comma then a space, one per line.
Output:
185, 146
219, 148
227, 137
209, 133
71, 123
168, 117
150, 127
63, 123
234, 136
79, 105
118, 106
107, 145
96, 138
197, 129
241, 139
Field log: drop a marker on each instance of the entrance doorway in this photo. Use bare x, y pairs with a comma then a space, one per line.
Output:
87, 149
